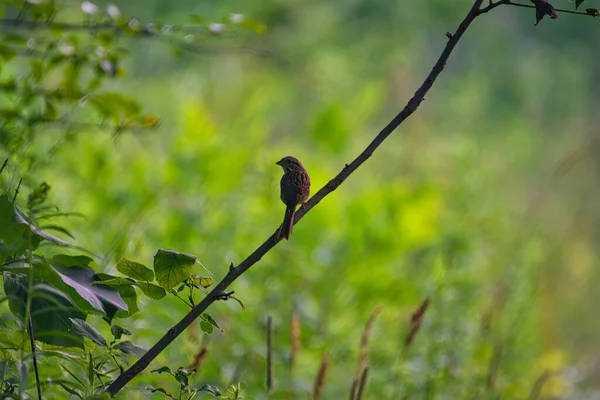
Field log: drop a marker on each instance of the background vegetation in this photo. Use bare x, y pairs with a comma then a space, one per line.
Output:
485, 201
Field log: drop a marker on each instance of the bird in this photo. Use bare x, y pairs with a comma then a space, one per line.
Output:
295, 189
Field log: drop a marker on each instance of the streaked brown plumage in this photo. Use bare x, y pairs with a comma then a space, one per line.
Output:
295, 189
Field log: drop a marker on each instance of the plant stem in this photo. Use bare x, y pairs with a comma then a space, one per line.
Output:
35, 366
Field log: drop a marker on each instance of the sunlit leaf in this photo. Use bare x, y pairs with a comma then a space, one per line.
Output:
172, 267
151, 290
135, 270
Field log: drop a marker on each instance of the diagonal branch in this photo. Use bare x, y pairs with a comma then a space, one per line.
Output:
332, 185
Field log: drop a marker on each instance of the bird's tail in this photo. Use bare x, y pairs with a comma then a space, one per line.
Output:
288, 223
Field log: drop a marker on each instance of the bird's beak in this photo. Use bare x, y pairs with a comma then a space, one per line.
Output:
278, 162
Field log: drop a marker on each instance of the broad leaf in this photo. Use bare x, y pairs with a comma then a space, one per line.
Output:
129, 348
172, 268
88, 331
51, 310
78, 283
578, 3
151, 290
206, 327
135, 270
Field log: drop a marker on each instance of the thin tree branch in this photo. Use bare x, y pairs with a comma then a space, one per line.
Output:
560, 10
35, 366
492, 5
332, 185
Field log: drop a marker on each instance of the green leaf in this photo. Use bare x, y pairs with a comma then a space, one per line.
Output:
162, 370
151, 290
211, 321
206, 327
57, 228
172, 268
182, 378
160, 390
70, 261
118, 331
115, 282
135, 270
20, 217
51, 310
578, 3
211, 389
129, 348
204, 281
88, 331
78, 282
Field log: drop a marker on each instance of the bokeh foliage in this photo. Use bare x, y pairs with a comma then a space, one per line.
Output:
465, 205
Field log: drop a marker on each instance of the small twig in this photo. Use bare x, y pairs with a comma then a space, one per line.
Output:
560, 10
3, 165
269, 380
17, 191
33, 355
363, 383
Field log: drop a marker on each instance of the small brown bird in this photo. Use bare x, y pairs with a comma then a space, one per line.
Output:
295, 189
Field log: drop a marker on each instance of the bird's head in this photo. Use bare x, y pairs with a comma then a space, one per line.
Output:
289, 163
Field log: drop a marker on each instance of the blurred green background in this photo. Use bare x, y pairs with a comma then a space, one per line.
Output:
467, 203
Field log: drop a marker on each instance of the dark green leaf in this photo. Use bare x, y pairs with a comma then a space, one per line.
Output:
70, 261
51, 310
162, 370
211, 321
210, 388
206, 327
172, 268
118, 331
129, 348
578, 3
181, 378
135, 270
88, 331
57, 228
160, 390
